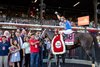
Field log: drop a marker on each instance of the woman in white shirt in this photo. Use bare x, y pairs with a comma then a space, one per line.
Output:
26, 53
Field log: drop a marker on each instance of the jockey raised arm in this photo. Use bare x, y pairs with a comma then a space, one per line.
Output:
66, 24
61, 18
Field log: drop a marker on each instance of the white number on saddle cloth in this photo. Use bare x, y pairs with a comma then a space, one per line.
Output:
70, 39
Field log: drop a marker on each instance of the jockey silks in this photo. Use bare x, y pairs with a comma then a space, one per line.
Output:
68, 28
68, 25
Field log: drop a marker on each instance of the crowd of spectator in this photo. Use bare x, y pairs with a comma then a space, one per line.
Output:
22, 20
21, 48
26, 20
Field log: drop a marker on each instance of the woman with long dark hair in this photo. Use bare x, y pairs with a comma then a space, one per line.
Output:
15, 54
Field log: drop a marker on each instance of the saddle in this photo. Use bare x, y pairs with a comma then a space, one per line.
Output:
69, 39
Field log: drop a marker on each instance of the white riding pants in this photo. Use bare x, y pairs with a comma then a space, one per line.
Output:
69, 31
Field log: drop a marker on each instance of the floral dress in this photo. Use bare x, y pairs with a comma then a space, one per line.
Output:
15, 54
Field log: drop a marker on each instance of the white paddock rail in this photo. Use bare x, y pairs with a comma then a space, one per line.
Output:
16, 25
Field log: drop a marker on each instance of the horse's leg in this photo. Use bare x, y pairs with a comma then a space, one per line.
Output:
49, 60
87, 50
58, 61
95, 43
63, 58
93, 56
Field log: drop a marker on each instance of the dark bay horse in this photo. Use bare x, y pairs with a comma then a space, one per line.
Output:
85, 40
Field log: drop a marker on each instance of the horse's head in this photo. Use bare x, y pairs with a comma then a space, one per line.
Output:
49, 34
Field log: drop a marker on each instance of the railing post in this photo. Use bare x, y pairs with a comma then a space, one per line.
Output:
95, 12
41, 12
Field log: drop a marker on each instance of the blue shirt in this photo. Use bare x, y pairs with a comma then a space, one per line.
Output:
4, 48
68, 25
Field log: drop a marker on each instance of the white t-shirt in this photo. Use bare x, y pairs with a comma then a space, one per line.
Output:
26, 46
48, 45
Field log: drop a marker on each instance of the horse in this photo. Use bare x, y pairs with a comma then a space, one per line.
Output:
85, 40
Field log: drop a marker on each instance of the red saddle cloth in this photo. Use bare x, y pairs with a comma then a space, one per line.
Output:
58, 45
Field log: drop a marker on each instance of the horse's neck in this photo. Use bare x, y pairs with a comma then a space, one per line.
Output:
79, 34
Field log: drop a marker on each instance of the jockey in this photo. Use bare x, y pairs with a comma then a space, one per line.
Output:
65, 23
